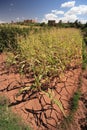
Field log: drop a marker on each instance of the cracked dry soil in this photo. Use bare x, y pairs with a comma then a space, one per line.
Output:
35, 107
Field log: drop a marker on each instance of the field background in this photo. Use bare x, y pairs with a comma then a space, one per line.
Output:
41, 69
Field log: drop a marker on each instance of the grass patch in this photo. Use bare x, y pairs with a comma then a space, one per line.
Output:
75, 99
74, 106
8, 120
67, 121
84, 56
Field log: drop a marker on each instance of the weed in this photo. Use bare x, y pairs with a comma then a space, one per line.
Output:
75, 100
8, 120
84, 56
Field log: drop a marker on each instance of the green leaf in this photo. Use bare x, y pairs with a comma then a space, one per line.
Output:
55, 101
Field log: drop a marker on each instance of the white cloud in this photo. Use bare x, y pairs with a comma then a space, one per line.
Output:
23, 18
74, 13
11, 4
17, 18
57, 12
78, 10
50, 16
2, 21
70, 18
68, 4
56, 17
83, 21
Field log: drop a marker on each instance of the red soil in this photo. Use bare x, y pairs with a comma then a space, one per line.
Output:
35, 107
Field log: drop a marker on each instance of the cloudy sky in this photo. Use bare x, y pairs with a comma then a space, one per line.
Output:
43, 10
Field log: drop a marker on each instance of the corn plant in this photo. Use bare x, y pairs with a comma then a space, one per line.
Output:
46, 52
49, 52
55, 101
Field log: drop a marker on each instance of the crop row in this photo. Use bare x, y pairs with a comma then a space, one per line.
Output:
46, 53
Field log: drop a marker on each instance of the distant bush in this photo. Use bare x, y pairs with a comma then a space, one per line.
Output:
84, 31
8, 37
84, 56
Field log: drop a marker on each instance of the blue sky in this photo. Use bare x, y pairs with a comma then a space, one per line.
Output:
43, 10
